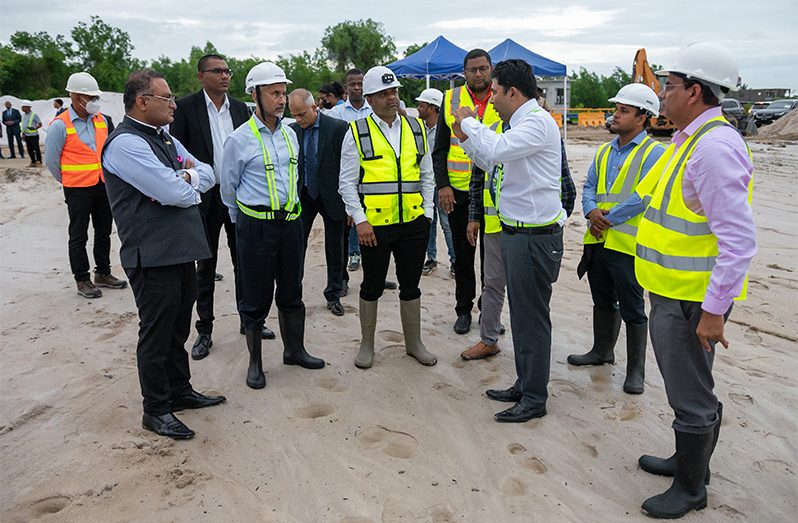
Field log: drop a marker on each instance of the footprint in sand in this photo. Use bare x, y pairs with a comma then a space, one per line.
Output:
451, 391
489, 380
393, 443
332, 384
559, 386
752, 335
534, 464
627, 411
392, 336
741, 399
511, 486
50, 505
773, 465
315, 411
516, 448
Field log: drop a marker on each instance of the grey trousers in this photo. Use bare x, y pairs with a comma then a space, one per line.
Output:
685, 366
531, 264
494, 283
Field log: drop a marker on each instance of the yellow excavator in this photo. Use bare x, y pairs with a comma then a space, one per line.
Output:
643, 74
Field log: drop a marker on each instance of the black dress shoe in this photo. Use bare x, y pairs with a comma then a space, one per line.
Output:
195, 400
166, 425
519, 413
463, 323
344, 289
511, 395
266, 333
217, 276
201, 347
335, 307
390, 285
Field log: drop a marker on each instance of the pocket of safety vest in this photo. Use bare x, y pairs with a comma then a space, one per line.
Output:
380, 208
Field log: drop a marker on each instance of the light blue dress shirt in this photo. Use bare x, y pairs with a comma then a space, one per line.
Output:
56, 138
348, 113
243, 170
617, 156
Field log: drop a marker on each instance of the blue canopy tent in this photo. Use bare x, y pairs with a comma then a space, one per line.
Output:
438, 60
540, 64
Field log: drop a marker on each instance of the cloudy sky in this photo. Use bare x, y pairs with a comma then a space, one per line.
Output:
587, 33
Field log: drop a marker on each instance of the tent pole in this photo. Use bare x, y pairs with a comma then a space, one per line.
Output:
565, 106
427, 81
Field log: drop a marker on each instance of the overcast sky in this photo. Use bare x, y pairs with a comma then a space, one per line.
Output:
587, 33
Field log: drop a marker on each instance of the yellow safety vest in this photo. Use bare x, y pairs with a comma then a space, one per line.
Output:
29, 129
676, 249
292, 208
457, 162
490, 213
390, 186
620, 237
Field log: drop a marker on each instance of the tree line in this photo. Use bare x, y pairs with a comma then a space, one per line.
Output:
37, 65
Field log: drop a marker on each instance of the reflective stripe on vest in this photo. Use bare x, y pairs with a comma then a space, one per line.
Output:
490, 214
80, 165
29, 130
292, 206
457, 162
619, 237
676, 250
390, 186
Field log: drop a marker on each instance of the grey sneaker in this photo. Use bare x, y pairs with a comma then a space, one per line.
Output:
354, 262
109, 280
88, 290
429, 266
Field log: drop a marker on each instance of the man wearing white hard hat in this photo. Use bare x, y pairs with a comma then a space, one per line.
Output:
613, 211
694, 247
260, 186
387, 185
31, 123
429, 108
75, 140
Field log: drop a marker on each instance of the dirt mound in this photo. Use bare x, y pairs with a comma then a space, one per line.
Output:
785, 128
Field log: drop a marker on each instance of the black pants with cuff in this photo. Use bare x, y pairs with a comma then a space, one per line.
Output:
464, 276
84, 204
334, 245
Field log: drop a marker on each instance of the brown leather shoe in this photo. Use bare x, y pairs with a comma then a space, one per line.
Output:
109, 280
88, 290
480, 350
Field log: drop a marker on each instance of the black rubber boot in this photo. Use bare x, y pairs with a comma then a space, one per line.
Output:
255, 377
666, 466
606, 326
688, 491
292, 330
636, 339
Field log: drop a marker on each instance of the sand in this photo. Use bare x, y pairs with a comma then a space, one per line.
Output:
398, 442
785, 128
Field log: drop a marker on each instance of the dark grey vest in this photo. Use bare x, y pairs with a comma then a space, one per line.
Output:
153, 235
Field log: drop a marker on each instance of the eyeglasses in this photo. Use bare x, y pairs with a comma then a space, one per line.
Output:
168, 99
482, 69
218, 71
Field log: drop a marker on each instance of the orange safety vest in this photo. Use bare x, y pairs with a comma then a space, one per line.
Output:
80, 166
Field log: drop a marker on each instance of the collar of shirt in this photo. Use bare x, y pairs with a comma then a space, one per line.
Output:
209, 103
158, 129
634, 142
479, 105
382, 123
522, 112
348, 105
74, 116
262, 126
681, 136
318, 119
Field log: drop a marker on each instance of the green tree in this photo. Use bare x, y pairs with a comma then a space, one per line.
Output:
105, 52
587, 90
362, 44
305, 71
182, 75
615, 81
35, 65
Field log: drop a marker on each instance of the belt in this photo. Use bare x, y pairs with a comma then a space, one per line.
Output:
547, 229
280, 214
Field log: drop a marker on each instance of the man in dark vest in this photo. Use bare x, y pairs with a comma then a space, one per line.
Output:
154, 186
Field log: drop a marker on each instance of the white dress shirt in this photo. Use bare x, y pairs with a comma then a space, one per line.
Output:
221, 123
350, 170
532, 156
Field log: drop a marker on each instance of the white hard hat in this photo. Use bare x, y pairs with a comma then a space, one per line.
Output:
25, 103
709, 63
431, 96
379, 79
265, 73
83, 83
638, 95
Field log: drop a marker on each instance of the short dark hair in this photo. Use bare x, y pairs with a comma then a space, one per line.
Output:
352, 72
475, 53
516, 73
334, 88
202, 62
707, 96
648, 115
59, 101
137, 83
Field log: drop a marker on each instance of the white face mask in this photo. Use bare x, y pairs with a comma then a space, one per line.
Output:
93, 107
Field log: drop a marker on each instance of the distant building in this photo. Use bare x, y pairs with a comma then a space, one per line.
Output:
760, 95
553, 89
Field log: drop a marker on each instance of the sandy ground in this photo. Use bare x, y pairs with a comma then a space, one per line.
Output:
399, 442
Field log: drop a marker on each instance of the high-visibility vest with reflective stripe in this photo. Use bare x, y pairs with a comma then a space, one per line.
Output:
490, 213
80, 166
28, 129
620, 237
458, 163
676, 249
292, 206
390, 186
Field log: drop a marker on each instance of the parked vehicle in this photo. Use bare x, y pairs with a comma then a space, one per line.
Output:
733, 107
774, 111
758, 106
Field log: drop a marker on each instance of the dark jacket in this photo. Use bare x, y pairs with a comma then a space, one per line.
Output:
331, 138
192, 127
153, 235
16, 117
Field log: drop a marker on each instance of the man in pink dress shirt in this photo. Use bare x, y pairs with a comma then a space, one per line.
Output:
694, 247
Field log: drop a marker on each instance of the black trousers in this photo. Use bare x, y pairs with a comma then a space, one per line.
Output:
408, 244
333, 243
164, 297
33, 148
18, 135
215, 215
464, 277
269, 252
613, 284
84, 204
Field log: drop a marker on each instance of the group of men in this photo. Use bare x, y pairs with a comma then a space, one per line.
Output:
23, 126
675, 221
